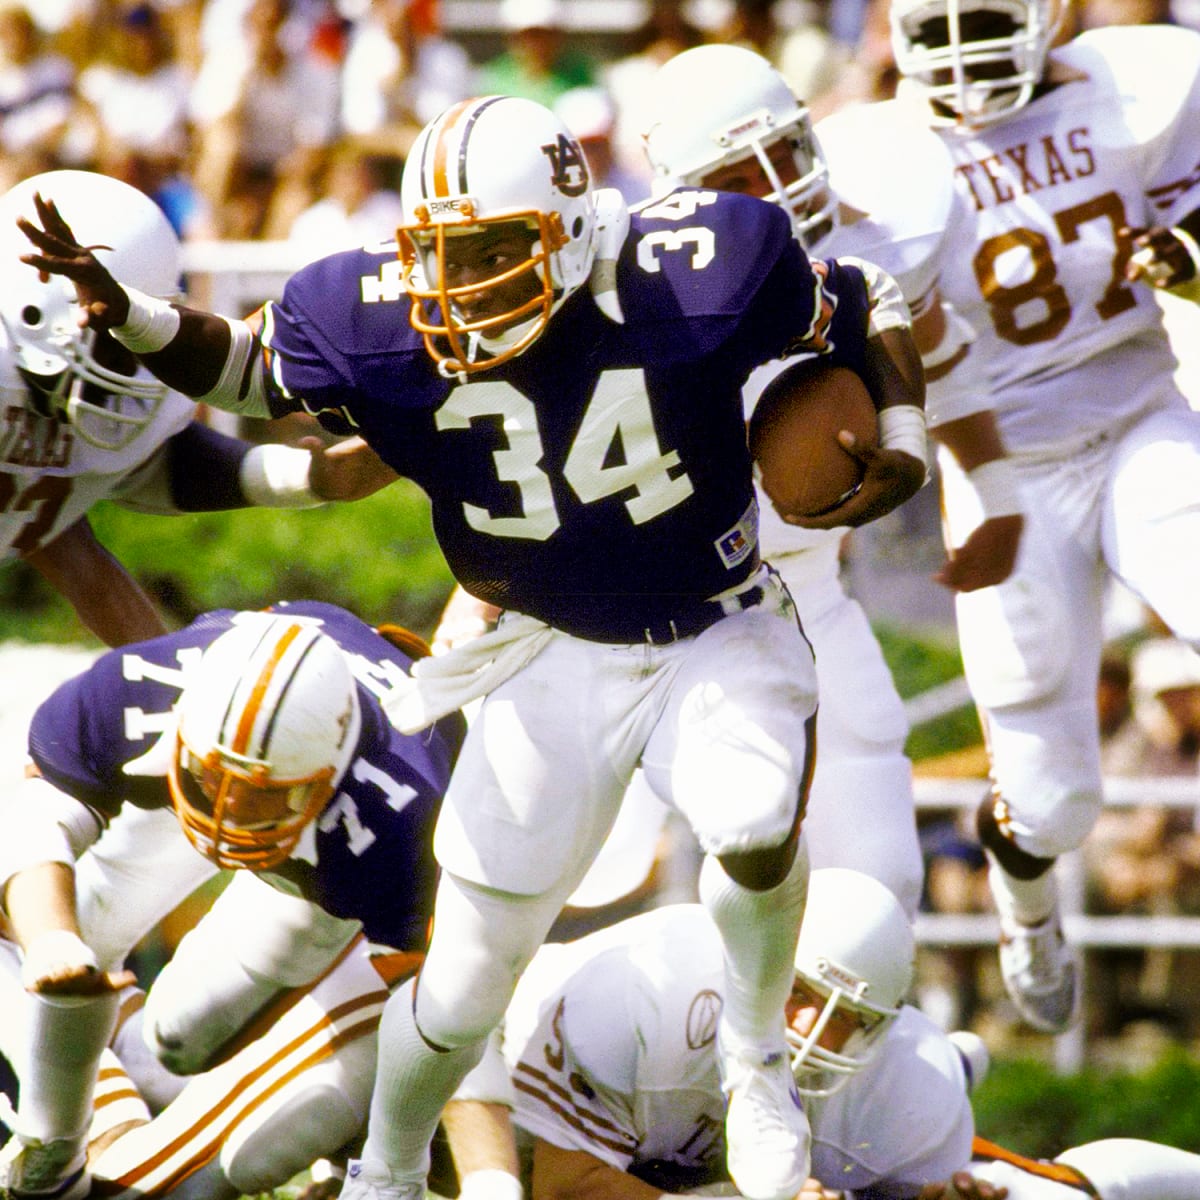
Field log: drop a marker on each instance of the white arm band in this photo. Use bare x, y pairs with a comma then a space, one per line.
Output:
151, 324
490, 1184
902, 427
225, 393
275, 476
43, 825
1189, 289
995, 484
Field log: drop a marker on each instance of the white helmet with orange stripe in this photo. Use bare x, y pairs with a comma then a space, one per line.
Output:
484, 168
268, 725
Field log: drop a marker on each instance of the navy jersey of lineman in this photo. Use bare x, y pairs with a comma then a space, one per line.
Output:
601, 479
374, 859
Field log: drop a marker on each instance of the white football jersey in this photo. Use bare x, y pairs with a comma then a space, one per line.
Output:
610, 1041
49, 476
1037, 269
893, 181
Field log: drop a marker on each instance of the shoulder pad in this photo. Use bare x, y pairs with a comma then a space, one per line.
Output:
612, 228
1149, 71
894, 179
709, 250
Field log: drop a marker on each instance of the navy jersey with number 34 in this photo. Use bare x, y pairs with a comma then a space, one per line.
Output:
371, 858
601, 478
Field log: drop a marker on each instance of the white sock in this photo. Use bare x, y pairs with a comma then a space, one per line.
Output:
412, 1086
65, 1038
759, 931
1026, 901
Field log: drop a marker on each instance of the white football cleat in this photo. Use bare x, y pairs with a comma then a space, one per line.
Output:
1039, 972
373, 1181
54, 1170
767, 1137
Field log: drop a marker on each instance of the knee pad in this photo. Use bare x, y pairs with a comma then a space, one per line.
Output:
303, 1125
195, 1007
994, 836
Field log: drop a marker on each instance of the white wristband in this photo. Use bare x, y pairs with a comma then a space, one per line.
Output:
1189, 289
275, 476
151, 324
52, 950
490, 1184
995, 484
902, 427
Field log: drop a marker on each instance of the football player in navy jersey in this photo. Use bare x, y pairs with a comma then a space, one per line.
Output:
265, 733
566, 389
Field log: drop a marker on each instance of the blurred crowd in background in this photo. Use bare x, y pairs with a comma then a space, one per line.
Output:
274, 119
290, 120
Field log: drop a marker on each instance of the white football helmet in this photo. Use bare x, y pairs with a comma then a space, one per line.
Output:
484, 162
59, 361
268, 724
715, 105
856, 950
975, 61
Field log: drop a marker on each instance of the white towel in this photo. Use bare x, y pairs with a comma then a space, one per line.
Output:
441, 684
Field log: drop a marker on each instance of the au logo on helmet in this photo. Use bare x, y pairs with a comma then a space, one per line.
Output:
570, 172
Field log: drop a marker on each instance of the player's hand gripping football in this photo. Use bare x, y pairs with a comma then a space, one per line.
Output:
889, 478
101, 297
1159, 258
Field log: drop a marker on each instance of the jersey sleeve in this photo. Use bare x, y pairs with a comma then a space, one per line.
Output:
1153, 75
720, 270
73, 731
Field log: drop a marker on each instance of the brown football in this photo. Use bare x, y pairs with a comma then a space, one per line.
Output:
793, 436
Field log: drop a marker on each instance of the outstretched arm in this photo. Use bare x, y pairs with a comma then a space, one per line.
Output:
200, 354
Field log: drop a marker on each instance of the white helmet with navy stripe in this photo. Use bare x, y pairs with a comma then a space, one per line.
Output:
267, 726
483, 162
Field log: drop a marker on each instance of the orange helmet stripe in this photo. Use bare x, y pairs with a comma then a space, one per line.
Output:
442, 151
253, 706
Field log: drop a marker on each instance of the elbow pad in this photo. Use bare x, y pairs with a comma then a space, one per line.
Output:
887, 307
227, 393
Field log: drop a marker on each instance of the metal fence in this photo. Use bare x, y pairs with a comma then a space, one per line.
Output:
1084, 930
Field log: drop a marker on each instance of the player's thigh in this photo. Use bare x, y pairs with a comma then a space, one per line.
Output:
1019, 638
1151, 519
544, 766
731, 749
